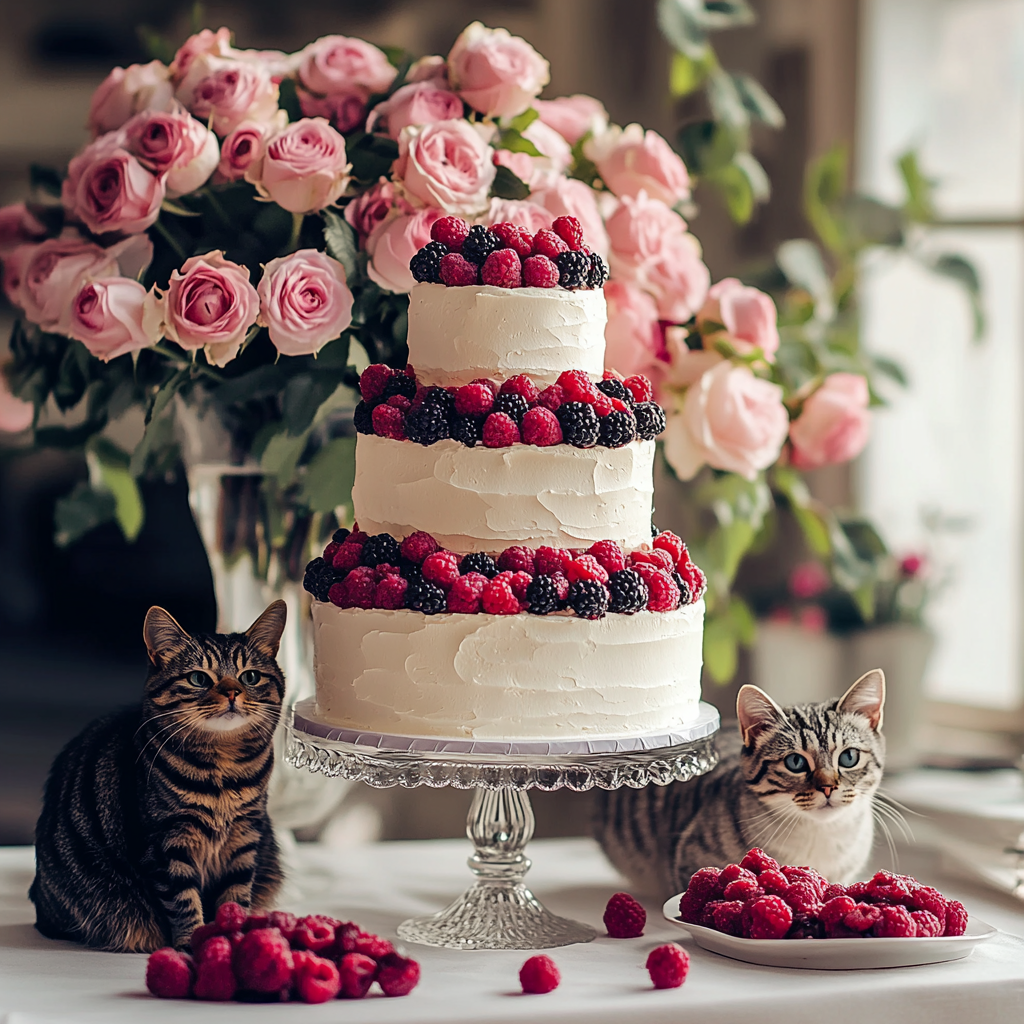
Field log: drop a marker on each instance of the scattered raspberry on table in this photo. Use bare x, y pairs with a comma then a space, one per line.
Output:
624, 917
668, 966
539, 975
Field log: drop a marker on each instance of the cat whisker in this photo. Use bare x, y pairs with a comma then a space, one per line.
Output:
164, 744
897, 819
159, 733
890, 842
153, 718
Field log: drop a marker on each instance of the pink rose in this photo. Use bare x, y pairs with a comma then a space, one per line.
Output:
203, 44
224, 93
393, 243
573, 116
209, 304
567, 197
279, 64
446, 164
428, 69
630, 160
107, 315
243, 147
517, 211
174, 144
833, 425
303, 168
556, 153
686, 366
638, 231
520, 164
633, 342
344, 110
730, 420
16, 414
494, 72
677, 278
304, 301
366, 211
339, 64
413, 104
808, 579
744, 317
127, 91
18, 226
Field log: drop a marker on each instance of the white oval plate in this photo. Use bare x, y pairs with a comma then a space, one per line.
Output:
835, 954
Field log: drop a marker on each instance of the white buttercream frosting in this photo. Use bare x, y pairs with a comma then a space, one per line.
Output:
510, 677
458, 334
485, 499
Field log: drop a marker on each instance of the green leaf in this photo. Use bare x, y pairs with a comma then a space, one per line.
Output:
890, 369
720, 648
523, 121
109, 470
327, 482
154, 45
824, 189
735, 188
864, 598
919, 205
79, 512
159, 428
800, 260
511, 140
961, 270
371, 156
815, 530
303, 396
726, 101
169, 206
507, 185
45, 179
341, 240
688, 74
706, 146
726, 547
743, 621
281, 456
756, 101
68, 437
288, 99
679, 21
869, 222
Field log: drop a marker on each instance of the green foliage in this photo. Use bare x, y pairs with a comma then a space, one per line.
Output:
328, 480
507, 185
288, 99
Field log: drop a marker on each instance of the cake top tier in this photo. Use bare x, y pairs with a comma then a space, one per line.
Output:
459, 334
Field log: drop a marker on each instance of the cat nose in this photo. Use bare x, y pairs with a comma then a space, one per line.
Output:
231, 688
827, 790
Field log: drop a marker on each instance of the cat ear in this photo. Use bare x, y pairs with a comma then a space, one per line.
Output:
866, 697
755, 711
164, 637
265, 632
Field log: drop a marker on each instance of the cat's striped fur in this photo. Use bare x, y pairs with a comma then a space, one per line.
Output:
155, 815
821, 815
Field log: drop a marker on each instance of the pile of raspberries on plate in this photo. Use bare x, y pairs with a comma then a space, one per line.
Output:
759, 899
576, 410
508, 256
279, 958
360, 571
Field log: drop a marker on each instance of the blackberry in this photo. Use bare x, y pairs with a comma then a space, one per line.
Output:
440, 398
426, 264
617, 429
399, 384
628, 592
363, 419
382, 547
573, 269
650, 420
427, 424
423, 596
597, 273
479, 244
685, 597
614, 388
409, 570
588, 599
339, 535
467, 430
319, 578
481, 562
579, 423
542, 595
515, 405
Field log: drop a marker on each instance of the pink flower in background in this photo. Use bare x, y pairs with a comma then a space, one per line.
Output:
344, 110
174, 144
107, 189
573, 116
518, 211
833, 425
813, 618
729, 420
304, 301
496, 73
446, 164
911, 565
279, 64
127, 91
393, 243
18, 226
205, 43
807, 580
209, 304
686, 366
567, 197
243, 147
366, 211
520, 164
16, 414
631, 160
676, 277
227, 92
303, 168
340, 64
632, 336
414, 104
747, 316
428, 69
638, 231
556, 153
107, 317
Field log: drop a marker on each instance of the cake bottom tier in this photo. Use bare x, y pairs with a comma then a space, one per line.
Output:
507, 676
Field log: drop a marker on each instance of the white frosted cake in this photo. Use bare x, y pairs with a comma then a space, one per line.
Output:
417, 631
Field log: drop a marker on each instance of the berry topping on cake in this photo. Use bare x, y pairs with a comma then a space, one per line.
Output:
540, 427
517, 559
390, 592
542, 596
580, 424
627, 592
664, 594
442, 568
695, 580
539, 975
520, 385
502, 269
479, 562
500, 431
380, 548
617, 429
539, 272
467, 430
427, 424
512, 404
456, 270
362, 418
588, 598
609, 554
479, 244
668, 966
577, 386
639, 387
668, 541
425, 265
547, 243
474, 400
417, 546
466, 593
372, 381
650, 420
569, 230
614, 388
624, 918
602, 404
573, 270
424, 596
598, 271
586, 567
550, 560
451, 231
498, 598
400, 385
514, 237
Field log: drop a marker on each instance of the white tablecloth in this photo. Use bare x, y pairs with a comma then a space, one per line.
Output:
603, 982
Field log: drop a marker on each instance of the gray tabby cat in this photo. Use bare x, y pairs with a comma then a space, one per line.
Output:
798, 782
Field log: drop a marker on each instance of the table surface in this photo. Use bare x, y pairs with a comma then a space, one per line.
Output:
603, 982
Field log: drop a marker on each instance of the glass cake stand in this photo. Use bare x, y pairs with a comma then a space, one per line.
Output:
498, 911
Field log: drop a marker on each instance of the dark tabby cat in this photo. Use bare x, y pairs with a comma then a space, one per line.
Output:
155, 815
799, 782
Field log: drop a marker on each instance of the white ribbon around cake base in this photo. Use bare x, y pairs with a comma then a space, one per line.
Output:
306, 721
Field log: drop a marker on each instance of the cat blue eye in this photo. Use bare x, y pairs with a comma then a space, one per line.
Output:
849, 757
249, 676
199, 679
796, 762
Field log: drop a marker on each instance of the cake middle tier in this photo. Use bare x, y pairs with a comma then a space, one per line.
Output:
485, 499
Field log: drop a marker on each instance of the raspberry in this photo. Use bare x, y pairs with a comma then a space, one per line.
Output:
539, 272
774, 883
832, 892
895, 923
664, 594
316, 979
551, 560
727, 915
598, 272
379, 549
927, 924
586, 567
457, 271
328, 555
573, 270
520, 385
417, 546
707, 917
372, 381
427, 424
344, 939
512, 405
512, 236
561, 583
579, 423
588, 599
624, 917
263, 961
517, 559
656, 559
500, 430
577, 386
169, 974
284, 922
815, 879
956, 918
770, 918
707, 883
424, 596
569, 230
806, 928
442, 568
400, 385
639, 387
743, 889
858, 891
473, 400
519, 582
498, 598
617, 429
400, 402
388, 422
390, 594
695, 580
540, 427
924, 897
609, 554
371, 945
356, 590
668, 965
836, 909
425, 264
487, 384
397, 975
552, 397
803, 899
691, 909
215, 979
668, 541
201, 935
356, 973
466, 593
542, 596
603, 405
452, 231
614, 388
539, 975
479, 244
627, 592
479, 562
230, 917
547, 243
362, 419
502, 269
885, 885
650, 420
